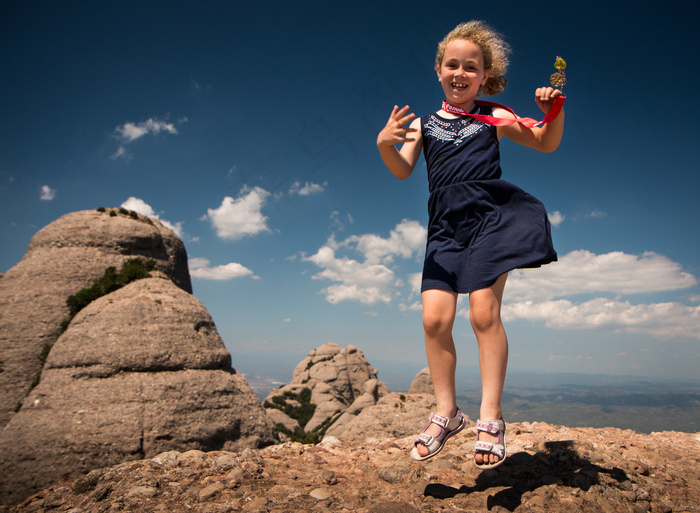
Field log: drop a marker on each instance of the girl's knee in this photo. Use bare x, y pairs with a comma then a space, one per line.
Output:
436, 323
484, 319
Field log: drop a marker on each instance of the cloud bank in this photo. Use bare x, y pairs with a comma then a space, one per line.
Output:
582, 291
372, 278
549, 294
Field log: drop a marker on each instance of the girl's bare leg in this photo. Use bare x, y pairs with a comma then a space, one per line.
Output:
439, 308
485, 317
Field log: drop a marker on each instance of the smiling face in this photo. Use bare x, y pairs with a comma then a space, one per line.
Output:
462, 73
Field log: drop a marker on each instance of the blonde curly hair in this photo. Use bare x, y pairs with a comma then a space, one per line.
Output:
495, 50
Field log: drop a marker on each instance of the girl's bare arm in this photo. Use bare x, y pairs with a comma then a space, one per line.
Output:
400, 162
545, 138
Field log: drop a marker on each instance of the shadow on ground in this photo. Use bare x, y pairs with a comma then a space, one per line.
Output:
559, 464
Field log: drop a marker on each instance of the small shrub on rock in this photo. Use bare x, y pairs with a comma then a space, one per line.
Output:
132, 270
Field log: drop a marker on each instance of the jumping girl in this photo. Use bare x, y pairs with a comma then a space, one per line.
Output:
480, 227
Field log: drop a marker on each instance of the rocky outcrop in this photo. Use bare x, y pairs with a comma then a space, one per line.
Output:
422, 383
63, 258
395, 415
138, 372
329, 387
549, 468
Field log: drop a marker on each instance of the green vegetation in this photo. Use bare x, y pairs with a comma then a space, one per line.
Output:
312, 363
132, 270
113, 212
299, 435
302, 413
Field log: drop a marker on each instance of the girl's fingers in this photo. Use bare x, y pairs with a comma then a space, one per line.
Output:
400, 115
406, 119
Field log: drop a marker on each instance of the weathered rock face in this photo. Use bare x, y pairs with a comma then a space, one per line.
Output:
549, 468
422, 383
346, 370
138, 372
395, 415
341, 382
63, 258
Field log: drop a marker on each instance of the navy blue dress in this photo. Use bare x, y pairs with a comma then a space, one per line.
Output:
480, 226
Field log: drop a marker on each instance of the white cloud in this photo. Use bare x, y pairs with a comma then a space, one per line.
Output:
372, 280
143, 208
129, 132
415, 281
336, 221
662, 320
140, 206
242, 216
583, 272
556, 218
406, 240
305, 190
120, 153
199, 268
532, 294
597, 214
47, 193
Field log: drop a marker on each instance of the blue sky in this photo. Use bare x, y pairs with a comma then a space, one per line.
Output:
251, 131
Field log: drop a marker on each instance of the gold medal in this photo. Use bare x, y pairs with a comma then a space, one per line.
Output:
558, 79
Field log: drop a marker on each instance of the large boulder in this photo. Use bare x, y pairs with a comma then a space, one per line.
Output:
339, 383
422, 383
140, 371
395, 415
344, 369
63, 258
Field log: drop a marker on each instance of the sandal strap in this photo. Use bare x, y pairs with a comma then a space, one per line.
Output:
424, 439
439, 420
492, 427
497, 449
444, 423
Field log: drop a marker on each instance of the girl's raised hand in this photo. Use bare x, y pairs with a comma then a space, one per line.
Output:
395, 132
544, 97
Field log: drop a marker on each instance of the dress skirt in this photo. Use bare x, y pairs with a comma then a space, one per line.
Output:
481, 229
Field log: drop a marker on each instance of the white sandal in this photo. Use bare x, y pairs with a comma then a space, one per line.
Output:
448, 428
496, 428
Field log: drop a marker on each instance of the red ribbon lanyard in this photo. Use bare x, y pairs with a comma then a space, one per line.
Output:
491, 120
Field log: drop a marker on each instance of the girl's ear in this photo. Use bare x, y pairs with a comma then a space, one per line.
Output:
437, 70
486, 77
